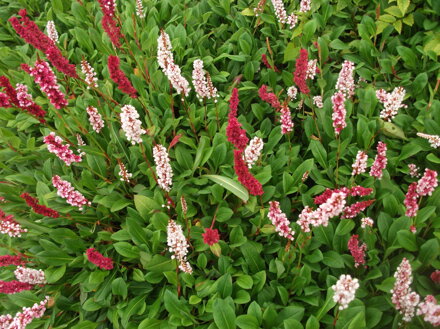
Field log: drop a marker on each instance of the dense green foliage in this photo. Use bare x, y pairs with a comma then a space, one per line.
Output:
257, 279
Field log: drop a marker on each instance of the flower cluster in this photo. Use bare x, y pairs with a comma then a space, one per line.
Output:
357, 250
435, 276
434, 140
140, 9
89, 72
253, 151
68, 192
236, 135
404, 299
267, 64
165, 59
280, 221
312, 69
30, 32
380, 161
413, 170
305, 6
14, 286
367, 221
20, 98
260, 7
178, 245
163, 167
345, 83
300, 74
360, 164
211, 236
109, 22
131, 124
124, 174
292, 92
38, 208
332, 207
286, 120
46, 79
184, 205
317, 100
202, 84
62, 151
9, 226
23, 318
119, 77
339, 112
270, 98
430, 310
29, 275
425, 186
392, 102
345, 290
52, 31
95, 257
95, 118
244, 176
281, 14
7, 260
353, 210
354, 191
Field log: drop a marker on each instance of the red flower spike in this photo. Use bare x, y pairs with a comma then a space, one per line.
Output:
119, 77
244, 176
210, 236
300, 74
98, 259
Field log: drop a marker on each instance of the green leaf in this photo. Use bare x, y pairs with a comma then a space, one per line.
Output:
54, 257
319, 153
407, 240
252, 256
229, 184
133, 307
403, 5
333, 259
144, 205
224, 314
291, 52
312, 323
224, 285
53, 274
126, 249
119, 287
247, 322
345, 226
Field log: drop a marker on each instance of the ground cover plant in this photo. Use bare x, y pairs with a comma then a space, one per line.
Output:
219, 164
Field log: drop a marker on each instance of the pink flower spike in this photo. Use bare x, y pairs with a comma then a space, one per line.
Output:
29, 275
98, 259
280, 221
430, 310
131, 124
178, 245
46, 79
317, 100
380, 161
434, 140
345, 83
286, 120
13, 287
23, 318
9, 226
270, 98
300, 74
427, 184
119, 77
339, 112
360, 164
253, 151
163, 167
345, 290
68, 192
95, 118
357, 250
392, 102
7, 260
367, 221
62, 151
410, 201
404, 299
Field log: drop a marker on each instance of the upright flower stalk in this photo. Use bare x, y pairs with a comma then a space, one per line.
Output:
253, 151
95, 119
68, 192
345, 290
131, 124
178, 245
119, 77
30, 32
165, 59
280, 221
434, 140
163, 167
392, 102
95, 257
23, 318
339, 112
301, 69
345, 83
90, 74
109, 22
244, 176
46, 79
357, 250
62, 151
202, 82
360, 164
404, 299
380, 161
